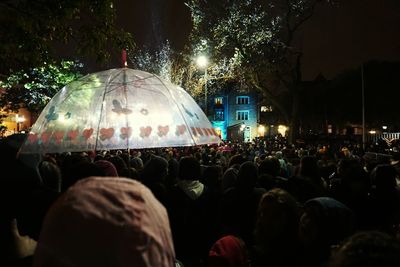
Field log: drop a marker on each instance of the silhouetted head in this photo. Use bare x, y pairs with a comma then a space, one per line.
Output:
189, 169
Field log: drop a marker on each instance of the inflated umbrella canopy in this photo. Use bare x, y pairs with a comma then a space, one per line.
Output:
119, 109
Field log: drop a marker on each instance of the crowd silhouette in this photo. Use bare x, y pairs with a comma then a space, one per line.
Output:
264, 203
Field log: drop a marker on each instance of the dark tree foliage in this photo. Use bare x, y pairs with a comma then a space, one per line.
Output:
258, 38
32, 31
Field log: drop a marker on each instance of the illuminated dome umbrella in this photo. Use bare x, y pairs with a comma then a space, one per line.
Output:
119, 109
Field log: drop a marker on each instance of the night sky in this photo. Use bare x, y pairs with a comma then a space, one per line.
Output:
333, 40
152, 21
354, 32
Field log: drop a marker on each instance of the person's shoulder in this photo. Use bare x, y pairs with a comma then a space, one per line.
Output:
207, 193
259, 190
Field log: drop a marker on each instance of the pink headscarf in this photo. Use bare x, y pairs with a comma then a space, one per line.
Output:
106, 221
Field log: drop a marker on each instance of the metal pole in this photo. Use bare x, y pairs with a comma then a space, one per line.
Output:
363, 106
205, 91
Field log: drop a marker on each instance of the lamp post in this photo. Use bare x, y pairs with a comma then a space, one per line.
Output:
202, 62
363, 106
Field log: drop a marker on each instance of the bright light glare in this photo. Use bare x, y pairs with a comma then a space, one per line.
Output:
202, 61
282, 129
20, 118
61, 119
261, 130
114, 116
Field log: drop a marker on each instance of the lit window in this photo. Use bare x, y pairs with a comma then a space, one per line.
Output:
266, 108
218, 100
242, 100
242, 115
219, 116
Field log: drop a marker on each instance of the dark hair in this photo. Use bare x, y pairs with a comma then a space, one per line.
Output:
248, 175
118, 162
371, 248
236, 159
155, 170
309, 167
383, 176
51, 175
189, 168
279, 202
270, 166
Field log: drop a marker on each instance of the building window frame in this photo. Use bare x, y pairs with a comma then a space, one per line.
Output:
242, 115
242, 100
219, 115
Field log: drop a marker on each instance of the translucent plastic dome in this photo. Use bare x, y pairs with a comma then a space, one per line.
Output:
119, 109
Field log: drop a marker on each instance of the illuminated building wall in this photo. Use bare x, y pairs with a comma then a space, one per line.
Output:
234, 109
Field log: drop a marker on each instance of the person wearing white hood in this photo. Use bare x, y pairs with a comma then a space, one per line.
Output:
106, 221
188, 213
189, 175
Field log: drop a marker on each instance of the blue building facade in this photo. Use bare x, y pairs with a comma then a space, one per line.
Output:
234, 115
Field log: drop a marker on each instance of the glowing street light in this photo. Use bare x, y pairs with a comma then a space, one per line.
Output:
202, 62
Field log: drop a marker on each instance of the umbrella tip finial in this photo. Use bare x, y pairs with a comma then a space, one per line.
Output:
124, 62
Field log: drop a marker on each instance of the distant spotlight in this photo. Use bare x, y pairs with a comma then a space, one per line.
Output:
372, 132
384, 127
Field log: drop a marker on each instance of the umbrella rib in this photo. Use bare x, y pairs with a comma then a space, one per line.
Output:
101, 110
130, 82
126, 106
176, 103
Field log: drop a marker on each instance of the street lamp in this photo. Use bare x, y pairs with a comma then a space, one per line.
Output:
202, 62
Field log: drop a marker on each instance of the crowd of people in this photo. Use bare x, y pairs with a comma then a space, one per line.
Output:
263, 203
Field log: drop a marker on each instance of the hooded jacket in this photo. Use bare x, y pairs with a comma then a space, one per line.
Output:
106, 221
